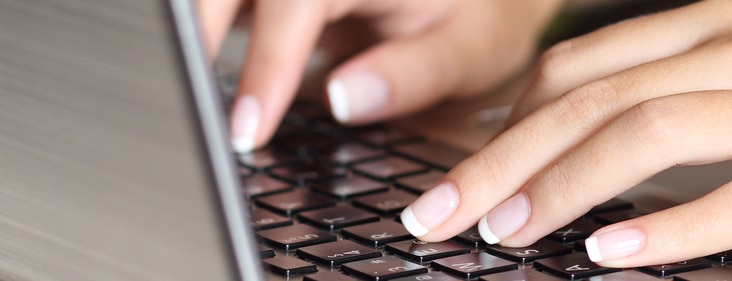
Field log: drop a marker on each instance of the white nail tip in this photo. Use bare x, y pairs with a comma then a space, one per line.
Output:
243, 145
246, 114
411, 224
338, 97
486, 233
593, 249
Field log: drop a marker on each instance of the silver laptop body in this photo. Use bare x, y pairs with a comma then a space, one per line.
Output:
114, 163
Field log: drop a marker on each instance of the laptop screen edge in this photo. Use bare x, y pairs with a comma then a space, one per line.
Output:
212, 124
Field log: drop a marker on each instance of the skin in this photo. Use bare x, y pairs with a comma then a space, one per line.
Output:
608, 110
604, 111
426, 51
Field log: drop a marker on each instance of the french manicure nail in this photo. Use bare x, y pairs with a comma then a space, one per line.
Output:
355, 95
244, 123
505, 219
431, 209
615, 244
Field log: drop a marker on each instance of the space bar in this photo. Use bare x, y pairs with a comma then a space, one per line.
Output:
437, 155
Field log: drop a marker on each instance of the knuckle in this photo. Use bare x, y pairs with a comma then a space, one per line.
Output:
586, 105
720, 45
655, 122
560, 185
490, 168
553, 64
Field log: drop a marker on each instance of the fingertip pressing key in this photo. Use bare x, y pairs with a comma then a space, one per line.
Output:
431, 210
615, 244
505, 219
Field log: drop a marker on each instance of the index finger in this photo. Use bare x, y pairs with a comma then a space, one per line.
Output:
282, 36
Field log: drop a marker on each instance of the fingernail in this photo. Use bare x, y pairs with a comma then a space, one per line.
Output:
356, 95
244, 123
505, 219
431, 209
615, 244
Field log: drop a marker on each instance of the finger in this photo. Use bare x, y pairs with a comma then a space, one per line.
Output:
215, 18
620, 46
502, 167
380, 83
282, 36
411, 73
686, 129
674, 235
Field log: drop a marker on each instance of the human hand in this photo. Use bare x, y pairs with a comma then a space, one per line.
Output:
429, 50
604, 112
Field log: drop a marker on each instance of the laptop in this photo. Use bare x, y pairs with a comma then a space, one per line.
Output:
114, 153
116, 166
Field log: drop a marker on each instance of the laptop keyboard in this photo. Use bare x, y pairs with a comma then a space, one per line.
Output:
325, 204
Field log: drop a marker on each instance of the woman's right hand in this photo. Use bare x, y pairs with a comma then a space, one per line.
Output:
604, 112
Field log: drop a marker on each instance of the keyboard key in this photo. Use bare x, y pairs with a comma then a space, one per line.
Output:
717, 273
580, 246
286, 130
421, 252
386, 203
296, 236
245, 172
263, 219
305, 174
304, 112
377, 234
346, 154
471, 237
574, 266
576, 230
385, 268
389, 168
337, 253
525, 274
337, 217
265, 252
289, 266
539, 250
379, 136
723, 257
667, 270
437, 155
307, 143
261, 184
265, 158
351, 186
328, 276
419, 183
296, 201
618, 216
322, 122
611, 205
626, 275
432, 276
473, 265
